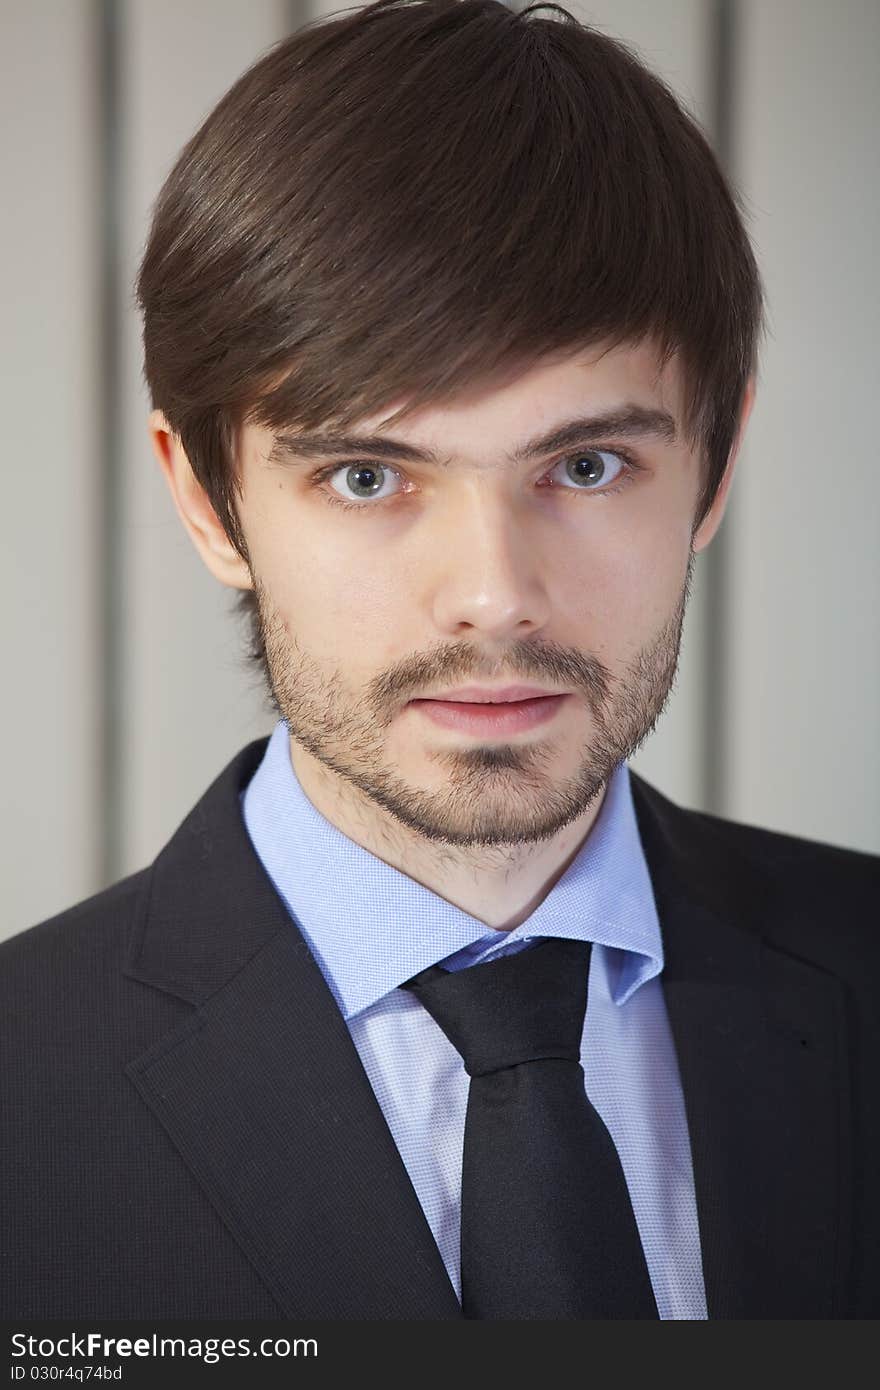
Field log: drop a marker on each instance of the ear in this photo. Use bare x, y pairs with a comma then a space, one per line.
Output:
194, 508
712, 520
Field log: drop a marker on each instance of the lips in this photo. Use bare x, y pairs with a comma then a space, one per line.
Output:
508, 694
491, 717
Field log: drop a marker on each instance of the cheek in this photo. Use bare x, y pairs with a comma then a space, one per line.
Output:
329, 599
619, 598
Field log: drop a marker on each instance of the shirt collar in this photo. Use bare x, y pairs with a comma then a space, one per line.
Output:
370, 927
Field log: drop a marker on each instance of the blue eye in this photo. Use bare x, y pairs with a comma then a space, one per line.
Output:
590, 466
367, 478
588, 470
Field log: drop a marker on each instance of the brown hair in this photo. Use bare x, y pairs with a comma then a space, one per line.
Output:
398, 200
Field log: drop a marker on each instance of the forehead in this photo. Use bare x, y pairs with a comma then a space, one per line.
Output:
517, 398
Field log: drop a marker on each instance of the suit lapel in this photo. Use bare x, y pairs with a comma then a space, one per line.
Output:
761, 1047
262, 1090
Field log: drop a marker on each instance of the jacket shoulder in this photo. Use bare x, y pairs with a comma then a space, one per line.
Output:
812, 898
94, 926
774, 849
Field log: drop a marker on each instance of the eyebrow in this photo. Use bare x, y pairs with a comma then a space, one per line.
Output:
627, 421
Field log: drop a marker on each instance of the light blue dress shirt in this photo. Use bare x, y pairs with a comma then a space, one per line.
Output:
370, 927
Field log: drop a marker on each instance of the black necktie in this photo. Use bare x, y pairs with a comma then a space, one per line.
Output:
547, 1227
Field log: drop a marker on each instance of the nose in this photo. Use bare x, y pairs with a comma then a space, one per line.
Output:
488, 569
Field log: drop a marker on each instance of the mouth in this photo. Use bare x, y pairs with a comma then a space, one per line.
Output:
504, 717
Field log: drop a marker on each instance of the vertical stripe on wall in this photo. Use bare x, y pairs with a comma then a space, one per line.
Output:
50, 803
717, 559
108, 442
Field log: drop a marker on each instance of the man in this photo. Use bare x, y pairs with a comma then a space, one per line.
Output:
450, 329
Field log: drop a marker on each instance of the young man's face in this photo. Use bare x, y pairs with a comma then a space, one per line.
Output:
567, 570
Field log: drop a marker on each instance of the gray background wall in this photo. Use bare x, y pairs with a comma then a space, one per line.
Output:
125, 690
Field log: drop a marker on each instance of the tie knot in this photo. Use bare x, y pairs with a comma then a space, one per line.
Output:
518, 1008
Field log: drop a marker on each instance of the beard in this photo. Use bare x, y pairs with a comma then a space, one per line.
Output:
494, 794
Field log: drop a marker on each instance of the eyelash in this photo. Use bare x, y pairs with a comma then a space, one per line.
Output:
334, 500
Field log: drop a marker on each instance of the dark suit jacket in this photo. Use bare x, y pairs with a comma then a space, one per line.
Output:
187, 1130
